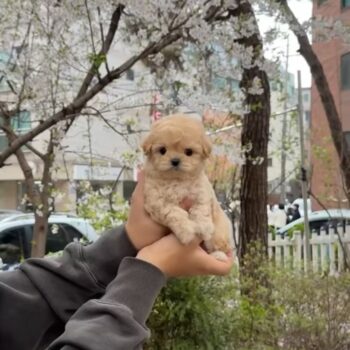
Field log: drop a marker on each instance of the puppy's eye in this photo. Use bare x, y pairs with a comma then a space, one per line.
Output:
188, 152
162, 151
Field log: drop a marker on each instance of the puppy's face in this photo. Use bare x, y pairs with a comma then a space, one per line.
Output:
177, 146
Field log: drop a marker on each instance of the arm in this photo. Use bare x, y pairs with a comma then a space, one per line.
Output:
117, 321
38, 299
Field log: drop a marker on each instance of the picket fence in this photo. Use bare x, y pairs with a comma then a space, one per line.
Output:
329, 250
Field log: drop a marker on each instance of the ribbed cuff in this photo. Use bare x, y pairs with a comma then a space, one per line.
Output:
136, 286
104, 256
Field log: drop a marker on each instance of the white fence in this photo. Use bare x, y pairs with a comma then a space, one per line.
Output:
329, 251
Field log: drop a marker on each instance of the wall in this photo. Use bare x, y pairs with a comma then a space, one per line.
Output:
8, 195
326, 181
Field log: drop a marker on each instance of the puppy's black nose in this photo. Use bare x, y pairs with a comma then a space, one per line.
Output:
175, 162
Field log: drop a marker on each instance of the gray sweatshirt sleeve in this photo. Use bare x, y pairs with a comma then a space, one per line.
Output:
117, 320
37, 300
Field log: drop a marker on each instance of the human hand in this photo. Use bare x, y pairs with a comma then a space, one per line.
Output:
177, 260
141, 229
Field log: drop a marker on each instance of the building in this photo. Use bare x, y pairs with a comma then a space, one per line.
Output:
279, 104
306, 99
334, 55
92, 150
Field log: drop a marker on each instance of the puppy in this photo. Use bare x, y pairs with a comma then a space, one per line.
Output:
176, 150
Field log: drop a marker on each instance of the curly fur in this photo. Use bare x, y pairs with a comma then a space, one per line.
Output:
176, 150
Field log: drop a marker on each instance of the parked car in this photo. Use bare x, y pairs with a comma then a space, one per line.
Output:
5, 213
323, 219
16, 233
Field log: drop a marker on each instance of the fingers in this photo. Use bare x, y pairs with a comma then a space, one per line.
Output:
217, 267
141, 177
195, 242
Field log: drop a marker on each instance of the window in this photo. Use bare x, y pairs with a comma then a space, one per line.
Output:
71, 233
19, 123
345, 71
12, 246
306, 97
346, 3
307, 118
128, 188
59, 236
130, 75
269, 162
3, 142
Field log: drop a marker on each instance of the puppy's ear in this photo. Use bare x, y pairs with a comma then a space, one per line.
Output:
147, 145
206, 146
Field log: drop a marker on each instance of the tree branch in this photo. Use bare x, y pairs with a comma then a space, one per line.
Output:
113, 27
85, 95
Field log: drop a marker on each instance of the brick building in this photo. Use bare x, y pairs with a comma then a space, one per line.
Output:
334, 54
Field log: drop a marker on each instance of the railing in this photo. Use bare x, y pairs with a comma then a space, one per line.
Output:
330, 251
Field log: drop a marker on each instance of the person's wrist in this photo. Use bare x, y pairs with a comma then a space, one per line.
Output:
146, 255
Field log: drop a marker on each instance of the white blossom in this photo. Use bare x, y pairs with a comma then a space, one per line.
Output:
256, 87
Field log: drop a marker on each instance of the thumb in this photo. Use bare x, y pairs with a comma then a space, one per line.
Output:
219, 268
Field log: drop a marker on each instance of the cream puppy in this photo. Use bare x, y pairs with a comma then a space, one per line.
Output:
176, 150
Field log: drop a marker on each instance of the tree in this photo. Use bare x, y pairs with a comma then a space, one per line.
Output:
44, 72
254, 140
37, 26
327, 99
222, 37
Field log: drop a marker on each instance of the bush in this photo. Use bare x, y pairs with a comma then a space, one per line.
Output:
193, 313
103, 209
278, 308
294, 312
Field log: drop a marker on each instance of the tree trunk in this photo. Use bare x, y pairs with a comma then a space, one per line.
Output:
39, 198
40, 230
321, 82
254, 139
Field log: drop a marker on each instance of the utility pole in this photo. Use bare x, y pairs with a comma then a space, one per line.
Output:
303, 177
284, 130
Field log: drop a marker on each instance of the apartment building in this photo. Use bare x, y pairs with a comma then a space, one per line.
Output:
92, 150
334, 54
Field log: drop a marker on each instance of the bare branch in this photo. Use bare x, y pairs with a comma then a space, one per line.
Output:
105, 48
90, 26
35, 151
85, 95
106, 121
102, 35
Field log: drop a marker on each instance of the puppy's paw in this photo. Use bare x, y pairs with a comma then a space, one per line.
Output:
205, 230
185, 233
219, 255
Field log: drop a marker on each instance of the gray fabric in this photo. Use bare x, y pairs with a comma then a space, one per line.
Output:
76, 301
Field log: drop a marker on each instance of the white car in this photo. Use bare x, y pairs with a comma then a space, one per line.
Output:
16, 233
318, 220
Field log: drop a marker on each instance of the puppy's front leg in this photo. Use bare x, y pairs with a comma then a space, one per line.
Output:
179, 223
173, 217
200, 214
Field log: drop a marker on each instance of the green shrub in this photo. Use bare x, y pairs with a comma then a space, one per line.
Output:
193, 313
267, 309
102, 211
294, 312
